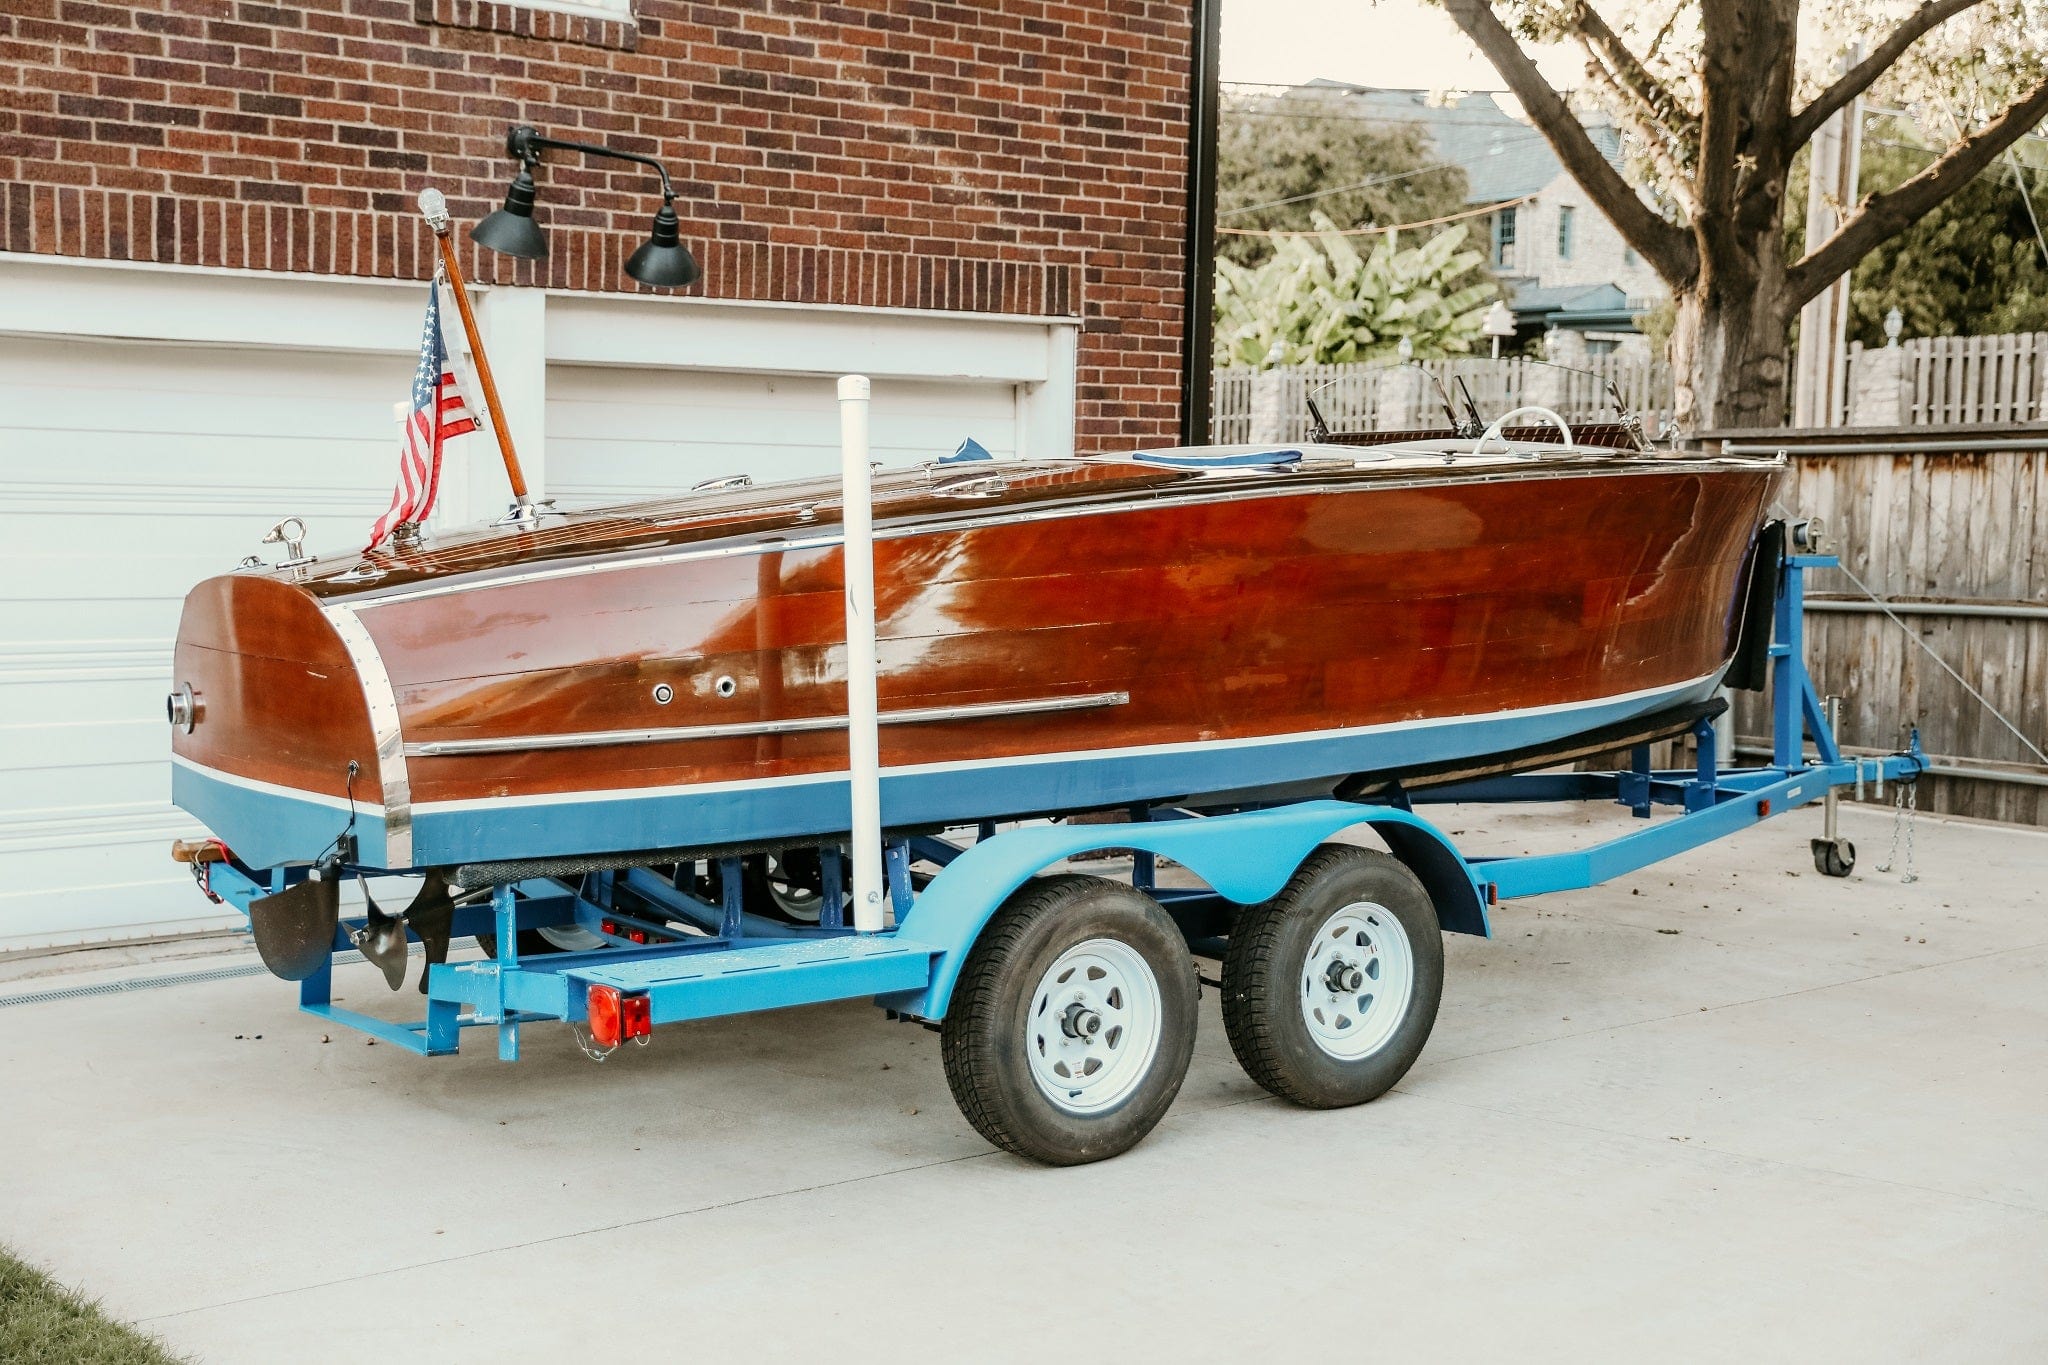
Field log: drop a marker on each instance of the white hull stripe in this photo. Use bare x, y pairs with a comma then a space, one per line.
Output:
1669, 694
250, 784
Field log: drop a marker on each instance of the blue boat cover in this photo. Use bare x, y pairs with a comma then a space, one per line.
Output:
970, 449
1182, 459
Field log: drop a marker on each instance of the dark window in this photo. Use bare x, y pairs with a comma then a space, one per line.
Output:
1564, 232
1504, 238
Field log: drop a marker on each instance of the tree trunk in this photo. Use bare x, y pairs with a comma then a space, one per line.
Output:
1728, 354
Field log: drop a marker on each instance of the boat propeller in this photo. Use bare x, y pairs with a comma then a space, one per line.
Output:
382, 939
294, 929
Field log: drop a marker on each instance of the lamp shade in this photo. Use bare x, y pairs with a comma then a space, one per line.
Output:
663, 261
511, 230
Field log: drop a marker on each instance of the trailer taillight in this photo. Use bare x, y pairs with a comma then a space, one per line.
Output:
617, 1018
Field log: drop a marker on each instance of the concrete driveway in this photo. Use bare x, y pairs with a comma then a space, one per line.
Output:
1724, 1108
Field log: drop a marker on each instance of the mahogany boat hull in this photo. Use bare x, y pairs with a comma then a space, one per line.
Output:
1059, 636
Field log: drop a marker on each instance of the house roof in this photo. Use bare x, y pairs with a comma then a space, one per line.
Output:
1503, 157
1603, 306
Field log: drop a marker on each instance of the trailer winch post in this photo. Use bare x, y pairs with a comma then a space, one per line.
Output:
863, 737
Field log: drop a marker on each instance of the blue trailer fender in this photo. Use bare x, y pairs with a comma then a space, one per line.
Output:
1245, 858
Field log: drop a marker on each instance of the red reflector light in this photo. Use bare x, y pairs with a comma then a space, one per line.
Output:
609, 926
1763, 810
604, 1016
637, 935
636, 1016
617, 1018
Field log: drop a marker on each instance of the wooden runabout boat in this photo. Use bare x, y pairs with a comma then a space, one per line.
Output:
1198, 626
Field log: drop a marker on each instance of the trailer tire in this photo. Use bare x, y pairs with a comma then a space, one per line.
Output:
1124, 1037
1330, 989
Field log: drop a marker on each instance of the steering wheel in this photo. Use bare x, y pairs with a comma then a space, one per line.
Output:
1493, 433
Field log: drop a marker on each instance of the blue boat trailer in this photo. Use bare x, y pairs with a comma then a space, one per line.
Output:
654, 945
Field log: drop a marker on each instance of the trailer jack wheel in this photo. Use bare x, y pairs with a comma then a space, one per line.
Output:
1834, 857
1074, 1021
1330, 989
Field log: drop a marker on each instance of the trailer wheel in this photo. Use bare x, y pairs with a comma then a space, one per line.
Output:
1073, 1022
1330, 989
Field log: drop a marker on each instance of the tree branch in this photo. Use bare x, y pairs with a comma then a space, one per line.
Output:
1881, 216
1629, 74
1859, 77
1668, 248
1657, 139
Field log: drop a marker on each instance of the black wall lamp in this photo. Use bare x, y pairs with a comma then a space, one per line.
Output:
662, 260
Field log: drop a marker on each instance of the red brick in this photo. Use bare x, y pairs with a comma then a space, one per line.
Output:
1017, 158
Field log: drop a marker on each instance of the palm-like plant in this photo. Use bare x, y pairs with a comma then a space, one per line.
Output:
1318, 301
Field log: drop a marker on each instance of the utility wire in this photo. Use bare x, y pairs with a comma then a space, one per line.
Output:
1342, 89
1504, 123
1369, 231
1387, 179
2026, 195
2027, 198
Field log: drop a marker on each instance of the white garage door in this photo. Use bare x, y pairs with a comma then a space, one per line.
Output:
617, 433
128, 472
132, 469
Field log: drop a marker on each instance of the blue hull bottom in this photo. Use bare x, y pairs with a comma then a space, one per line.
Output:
267, 826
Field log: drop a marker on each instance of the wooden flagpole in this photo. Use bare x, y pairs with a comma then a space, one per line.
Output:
434, 206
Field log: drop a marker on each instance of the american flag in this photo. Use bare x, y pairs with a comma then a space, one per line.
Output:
437, 413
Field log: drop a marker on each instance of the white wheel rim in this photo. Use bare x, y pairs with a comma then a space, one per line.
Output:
572, 938
1356, 981
1093, 1026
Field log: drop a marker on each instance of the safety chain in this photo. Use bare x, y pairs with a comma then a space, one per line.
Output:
1904, 807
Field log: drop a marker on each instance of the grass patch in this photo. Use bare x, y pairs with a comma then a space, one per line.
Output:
43, 1323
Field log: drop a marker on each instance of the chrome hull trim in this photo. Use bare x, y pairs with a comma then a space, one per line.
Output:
384, 726
1669, 694
590, 739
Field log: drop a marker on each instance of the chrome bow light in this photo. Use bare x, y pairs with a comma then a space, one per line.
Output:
662, 261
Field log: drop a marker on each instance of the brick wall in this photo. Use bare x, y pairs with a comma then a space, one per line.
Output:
1022, 157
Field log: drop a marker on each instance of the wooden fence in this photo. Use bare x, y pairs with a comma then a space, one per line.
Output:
1928, 381
1349, 395
1942, 523
1976, 379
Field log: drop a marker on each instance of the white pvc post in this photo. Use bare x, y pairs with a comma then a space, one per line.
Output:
863, 736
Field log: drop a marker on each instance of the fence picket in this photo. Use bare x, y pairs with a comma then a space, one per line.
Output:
1349, 395
1995, 380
